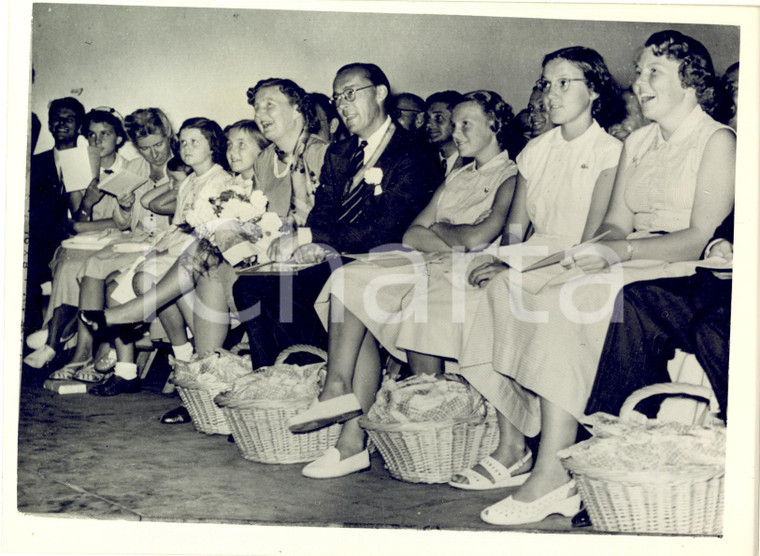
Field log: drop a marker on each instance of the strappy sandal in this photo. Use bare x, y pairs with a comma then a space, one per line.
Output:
501, 476
67, 371
89, 375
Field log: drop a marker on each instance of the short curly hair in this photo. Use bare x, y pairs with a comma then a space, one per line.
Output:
449, 98
609, 108
296, 95
498, 111
696, 68
104, 117
147, 121
213, 134
67, 102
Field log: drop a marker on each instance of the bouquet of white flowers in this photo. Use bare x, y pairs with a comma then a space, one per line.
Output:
231, 225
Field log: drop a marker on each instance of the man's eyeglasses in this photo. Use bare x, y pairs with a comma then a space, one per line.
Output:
562, 84
398, 112
349, 95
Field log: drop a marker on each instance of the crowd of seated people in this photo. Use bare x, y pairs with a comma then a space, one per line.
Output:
648, 173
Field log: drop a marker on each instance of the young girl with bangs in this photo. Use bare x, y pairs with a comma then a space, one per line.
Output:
202, 146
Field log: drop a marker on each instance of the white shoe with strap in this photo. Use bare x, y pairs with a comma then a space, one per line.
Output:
513, 512
500, 475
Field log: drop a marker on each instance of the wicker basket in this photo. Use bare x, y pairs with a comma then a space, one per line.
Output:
207, 417
260, 427
198, 397
432, 452
685, 499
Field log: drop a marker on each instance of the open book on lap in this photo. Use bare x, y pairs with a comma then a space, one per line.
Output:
524, 258
121, 183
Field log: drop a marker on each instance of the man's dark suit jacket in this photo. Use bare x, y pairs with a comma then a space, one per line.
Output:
411, 173
48, 226
692, 313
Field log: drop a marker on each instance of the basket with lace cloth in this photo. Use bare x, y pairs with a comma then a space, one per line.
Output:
650, 476
428, 429
260, 405
199, 381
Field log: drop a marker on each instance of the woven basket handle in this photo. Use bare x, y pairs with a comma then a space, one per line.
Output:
627, 411
300, 348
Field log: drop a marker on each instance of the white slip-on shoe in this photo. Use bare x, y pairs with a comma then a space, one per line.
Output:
501, 476
36, 340
513, 512
321, 414
329, 465
40, 357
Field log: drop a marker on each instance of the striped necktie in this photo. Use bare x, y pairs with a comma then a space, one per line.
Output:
353, 196
355, 165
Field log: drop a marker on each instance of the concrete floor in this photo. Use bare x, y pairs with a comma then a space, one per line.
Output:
110, 458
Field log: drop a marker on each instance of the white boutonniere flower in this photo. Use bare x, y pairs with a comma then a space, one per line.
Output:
374, 176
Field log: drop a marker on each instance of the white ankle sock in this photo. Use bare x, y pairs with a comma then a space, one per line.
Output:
127, 371
183, 352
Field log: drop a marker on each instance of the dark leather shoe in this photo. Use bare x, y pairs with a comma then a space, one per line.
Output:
116, 385
581, 519
103, 332
176, 416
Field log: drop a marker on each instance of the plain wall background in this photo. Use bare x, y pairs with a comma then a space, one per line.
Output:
200, 62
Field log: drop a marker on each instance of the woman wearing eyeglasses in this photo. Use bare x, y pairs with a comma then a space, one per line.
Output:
563, 188
673, 187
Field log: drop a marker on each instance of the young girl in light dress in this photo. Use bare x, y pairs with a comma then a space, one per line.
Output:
466, 212
202, 145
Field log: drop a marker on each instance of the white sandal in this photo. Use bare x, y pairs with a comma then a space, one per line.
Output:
67, 371
501, 476
513, 512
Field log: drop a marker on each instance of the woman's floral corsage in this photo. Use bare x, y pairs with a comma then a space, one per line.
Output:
232, 226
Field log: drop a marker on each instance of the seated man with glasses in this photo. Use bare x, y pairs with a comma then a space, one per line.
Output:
373, 184
409, 111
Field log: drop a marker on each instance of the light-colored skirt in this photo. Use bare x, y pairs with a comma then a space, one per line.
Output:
543, 336
416, 301
121, 253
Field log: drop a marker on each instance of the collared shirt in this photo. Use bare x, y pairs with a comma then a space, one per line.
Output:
373, 141
561, 177
660, 176
56, 156
451, 162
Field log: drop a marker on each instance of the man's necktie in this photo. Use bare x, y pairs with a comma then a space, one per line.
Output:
355, 165
354, 196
